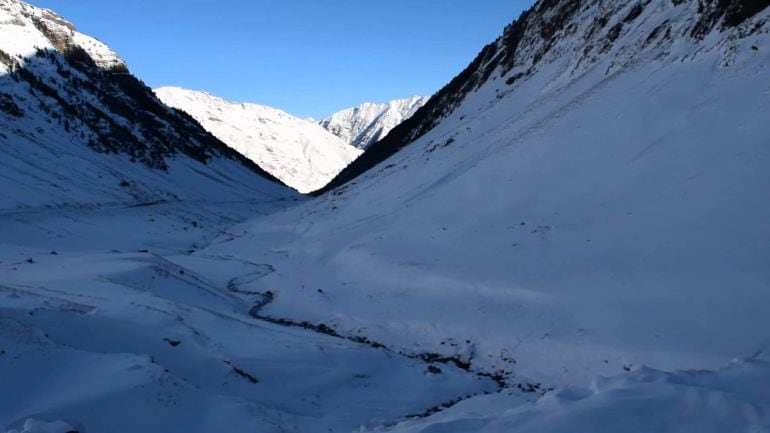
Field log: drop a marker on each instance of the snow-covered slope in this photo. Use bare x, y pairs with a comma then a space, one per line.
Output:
298, 152
588, 201
365, 124
589, 197
77, 128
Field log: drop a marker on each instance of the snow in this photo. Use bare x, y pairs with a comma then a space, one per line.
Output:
734, 398
365, 124
298, 152
32, 425
594, 236
102, 54
20, 37
102, 328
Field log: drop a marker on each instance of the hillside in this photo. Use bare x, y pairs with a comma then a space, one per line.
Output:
298, 152
78, 129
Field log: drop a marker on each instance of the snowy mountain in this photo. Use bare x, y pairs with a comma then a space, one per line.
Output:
520, 52
77, 128
587, 199
365, 124
572, 235
298, 152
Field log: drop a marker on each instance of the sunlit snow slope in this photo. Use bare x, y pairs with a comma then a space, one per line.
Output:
297, 151
364, 124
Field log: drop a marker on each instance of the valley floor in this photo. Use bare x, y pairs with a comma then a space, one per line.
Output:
114, 319
124, 319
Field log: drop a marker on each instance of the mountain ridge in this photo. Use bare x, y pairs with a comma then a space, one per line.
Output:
521, 48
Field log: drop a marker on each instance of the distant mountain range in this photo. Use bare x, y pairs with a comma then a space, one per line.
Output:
301, 153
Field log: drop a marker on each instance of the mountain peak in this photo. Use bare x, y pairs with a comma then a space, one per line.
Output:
55, 32
364, 124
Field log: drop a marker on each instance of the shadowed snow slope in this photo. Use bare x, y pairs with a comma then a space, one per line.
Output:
731, 399
298, 152
364, 124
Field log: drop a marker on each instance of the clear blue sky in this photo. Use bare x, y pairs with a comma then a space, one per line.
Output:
308, 57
